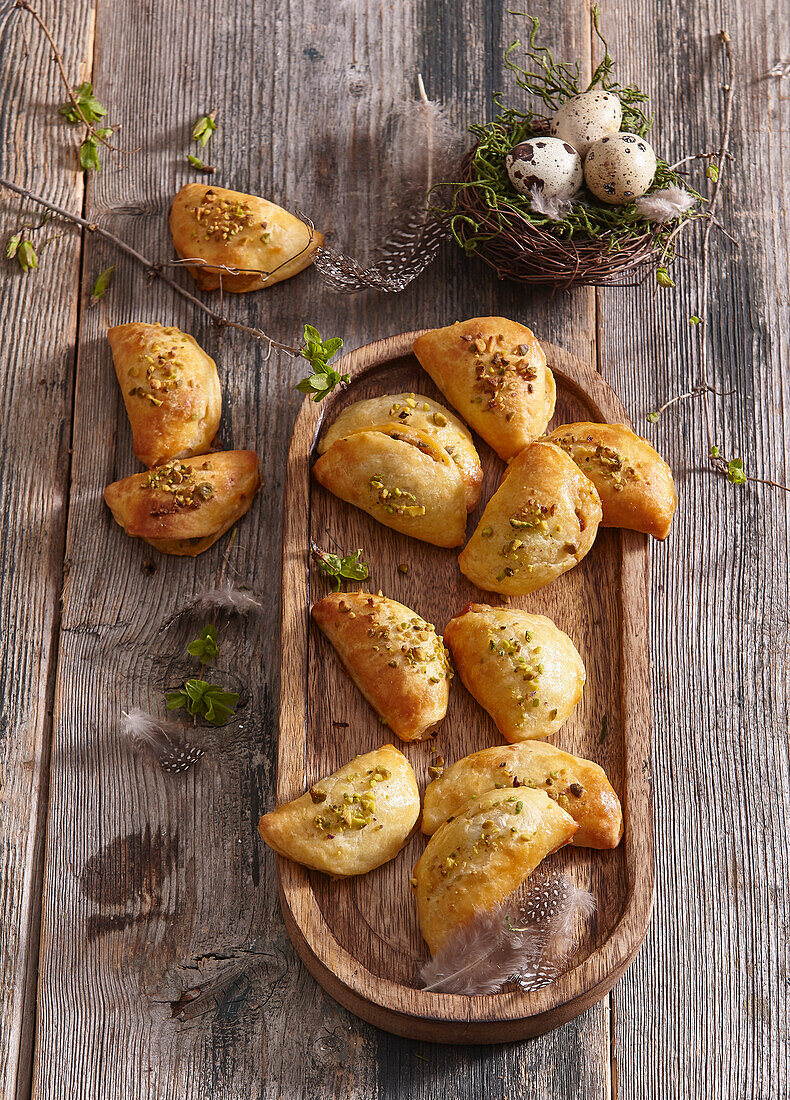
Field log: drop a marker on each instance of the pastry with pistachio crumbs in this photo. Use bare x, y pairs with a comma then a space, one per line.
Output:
412, 410
477, 859
351, 822
579, 786
170, 388
184, 506
494, 372
521, 668
400, 476
539, 523
245, 232
633, 481
395, 658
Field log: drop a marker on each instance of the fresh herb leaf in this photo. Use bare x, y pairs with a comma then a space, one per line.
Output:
26, 256
663, 278
712, 172
204, 700
653, 417
318, 352
204, 128
694, 319
197, 163
89, 154
89, 105
337, 566
736, 474
205, 648
102, 284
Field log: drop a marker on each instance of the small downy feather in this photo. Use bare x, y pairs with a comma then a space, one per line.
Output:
665, 205
554, 207
162, 737
526, 943
224, 598
428, 150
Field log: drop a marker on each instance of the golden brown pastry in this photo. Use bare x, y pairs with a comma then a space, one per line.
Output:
633, 481
579, 786
412, 410
170, 388
395, 658
539, 523
351, 822
239, 231
494, 372
184, 506
476, 860
401, 477
522, 668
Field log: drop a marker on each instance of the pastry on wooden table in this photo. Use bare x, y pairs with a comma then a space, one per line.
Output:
414, 411
351, 822
494, 372
184, 506
403, 478
170, 388
235, 230
475, 861
633, 481
579, 786
521, 668
539, 523
396, 659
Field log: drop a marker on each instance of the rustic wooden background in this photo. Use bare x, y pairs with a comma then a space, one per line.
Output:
122, 888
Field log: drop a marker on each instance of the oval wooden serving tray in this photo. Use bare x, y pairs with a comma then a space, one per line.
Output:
360, 938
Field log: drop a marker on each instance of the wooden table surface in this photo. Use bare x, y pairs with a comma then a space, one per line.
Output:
123, 887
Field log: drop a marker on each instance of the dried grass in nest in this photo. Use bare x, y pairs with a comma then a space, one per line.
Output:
519, 250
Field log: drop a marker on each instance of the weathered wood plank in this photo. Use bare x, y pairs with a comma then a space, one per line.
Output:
39, 331
706, 1004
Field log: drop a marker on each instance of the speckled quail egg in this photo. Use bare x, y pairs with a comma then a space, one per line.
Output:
620, 168
586, 118
551, 165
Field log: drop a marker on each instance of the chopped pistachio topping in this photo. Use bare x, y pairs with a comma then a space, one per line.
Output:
222, 219
497, 369
395, 501
180, 480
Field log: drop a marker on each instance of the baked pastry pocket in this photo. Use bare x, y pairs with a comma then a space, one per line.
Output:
396, 659
351, 822
635, 484
184, 506
494, 372
475, 861
170, 388
413, 410
540, 522
223, 228
521, 668
402, 478
578, 786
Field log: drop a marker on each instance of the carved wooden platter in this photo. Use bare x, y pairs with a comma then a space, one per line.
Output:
360, 937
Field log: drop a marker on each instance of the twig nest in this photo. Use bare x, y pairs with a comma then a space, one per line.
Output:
619, 168
586, 118
546, 163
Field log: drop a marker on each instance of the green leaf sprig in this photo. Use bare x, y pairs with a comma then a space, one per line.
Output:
204, 700
205, 648
318, 352
20, 247
102, 284
336, 566
84, 109
202, 132
736, 475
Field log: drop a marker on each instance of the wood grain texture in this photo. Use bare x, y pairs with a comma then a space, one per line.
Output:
39, 325
361, 938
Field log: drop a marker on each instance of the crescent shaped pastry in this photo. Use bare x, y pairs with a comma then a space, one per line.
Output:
415, 411
395, 658
184, 506
579, 786
494, 372
351, 822
478, 858
521, 668
402, 478
539, 523
170, 388
633, 481
235, 230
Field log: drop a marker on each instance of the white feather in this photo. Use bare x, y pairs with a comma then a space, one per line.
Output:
497, 947
235, 601
665, 205
160, 735
554, 207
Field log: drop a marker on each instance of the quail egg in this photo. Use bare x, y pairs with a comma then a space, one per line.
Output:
551, 165
586, 118
620, 168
